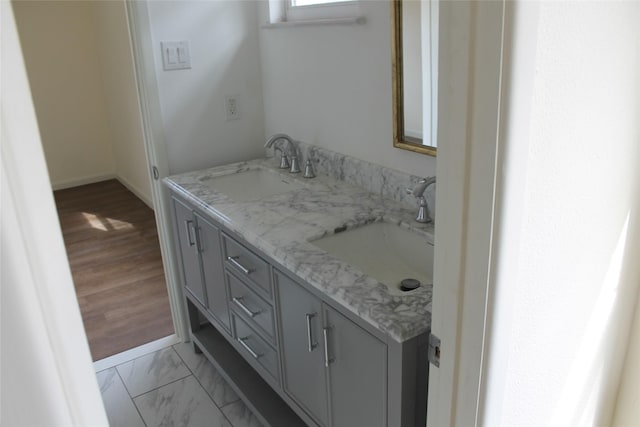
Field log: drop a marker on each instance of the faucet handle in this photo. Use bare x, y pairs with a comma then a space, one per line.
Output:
295, 166
308, 170
418, 193
284, 160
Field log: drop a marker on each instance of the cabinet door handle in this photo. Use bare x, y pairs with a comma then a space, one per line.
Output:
239, 303
249, 349
187, 225
310, 342
234, 260
327, 359
196, 231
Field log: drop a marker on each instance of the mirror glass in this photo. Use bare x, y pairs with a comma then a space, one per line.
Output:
415, 69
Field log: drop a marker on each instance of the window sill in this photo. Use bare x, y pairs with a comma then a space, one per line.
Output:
356, 20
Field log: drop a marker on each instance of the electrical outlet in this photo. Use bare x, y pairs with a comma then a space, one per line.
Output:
231, 108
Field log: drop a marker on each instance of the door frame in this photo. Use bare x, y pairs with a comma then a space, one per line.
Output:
156, 153
471, 59
44, 345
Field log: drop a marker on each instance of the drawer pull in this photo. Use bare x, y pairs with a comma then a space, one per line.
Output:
327, 359
249, 349
310, 342
239, 303
234, 260
187, 226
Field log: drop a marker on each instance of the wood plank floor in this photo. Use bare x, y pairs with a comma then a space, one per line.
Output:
112, 246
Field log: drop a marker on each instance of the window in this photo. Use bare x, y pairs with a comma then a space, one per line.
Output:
313, 10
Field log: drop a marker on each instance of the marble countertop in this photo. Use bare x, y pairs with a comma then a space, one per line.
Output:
282, 225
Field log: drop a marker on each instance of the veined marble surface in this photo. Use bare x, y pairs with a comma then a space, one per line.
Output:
281, 226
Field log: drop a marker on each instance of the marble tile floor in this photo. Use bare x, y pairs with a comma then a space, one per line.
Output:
171, 387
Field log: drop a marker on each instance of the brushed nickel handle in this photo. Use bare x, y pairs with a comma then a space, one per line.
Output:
310, 342
196, 232
327, 360
239, 303
249, 349
234, 260
187, 225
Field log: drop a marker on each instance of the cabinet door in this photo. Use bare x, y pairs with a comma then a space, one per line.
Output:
209, 245
301, 349
357, 373
188, 250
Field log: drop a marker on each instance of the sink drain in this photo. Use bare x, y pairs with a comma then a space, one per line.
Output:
409, 284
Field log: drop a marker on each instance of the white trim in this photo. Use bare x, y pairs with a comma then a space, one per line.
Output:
155, 149
139, 194
134, 353
333, 10
315, 22
469, 114
76, 182
283, 14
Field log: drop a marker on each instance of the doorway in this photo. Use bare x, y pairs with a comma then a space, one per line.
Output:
78, 59
114, 254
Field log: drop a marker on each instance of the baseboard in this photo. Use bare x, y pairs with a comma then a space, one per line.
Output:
99, 178
76, 182
139, 194
134, 353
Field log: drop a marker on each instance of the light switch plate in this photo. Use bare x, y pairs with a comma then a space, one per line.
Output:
175, 55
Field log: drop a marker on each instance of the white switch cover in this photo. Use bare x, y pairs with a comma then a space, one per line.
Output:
175, 55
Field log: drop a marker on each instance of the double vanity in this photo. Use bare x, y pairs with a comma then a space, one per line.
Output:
293, 288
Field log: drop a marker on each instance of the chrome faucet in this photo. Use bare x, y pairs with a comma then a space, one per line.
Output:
418, 192
291, 152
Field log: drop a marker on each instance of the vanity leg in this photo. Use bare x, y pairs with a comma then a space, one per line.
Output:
194, 324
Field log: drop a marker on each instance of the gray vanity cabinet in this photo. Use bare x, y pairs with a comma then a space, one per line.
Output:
199, 249
186, 243
212, 270
357, 373
287, 351
301, 347
333, 368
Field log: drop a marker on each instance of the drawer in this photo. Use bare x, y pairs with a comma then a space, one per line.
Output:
248, 265
253, 308
255, 348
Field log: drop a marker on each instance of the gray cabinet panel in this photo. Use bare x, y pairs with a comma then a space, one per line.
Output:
256, 311
247, 264
255, 348
209, 245
357, 374
304, 376
188, 250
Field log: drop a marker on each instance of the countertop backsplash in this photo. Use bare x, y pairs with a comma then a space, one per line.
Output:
387, 183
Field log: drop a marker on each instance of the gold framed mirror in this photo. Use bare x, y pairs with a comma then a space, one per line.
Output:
414, 32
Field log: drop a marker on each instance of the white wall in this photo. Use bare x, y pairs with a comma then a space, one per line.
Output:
225, 61
78, 56
330, 86
121, 96
45, 364
59, 45
567, 275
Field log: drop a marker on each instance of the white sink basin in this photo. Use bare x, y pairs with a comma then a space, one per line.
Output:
254, 184
384, 251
